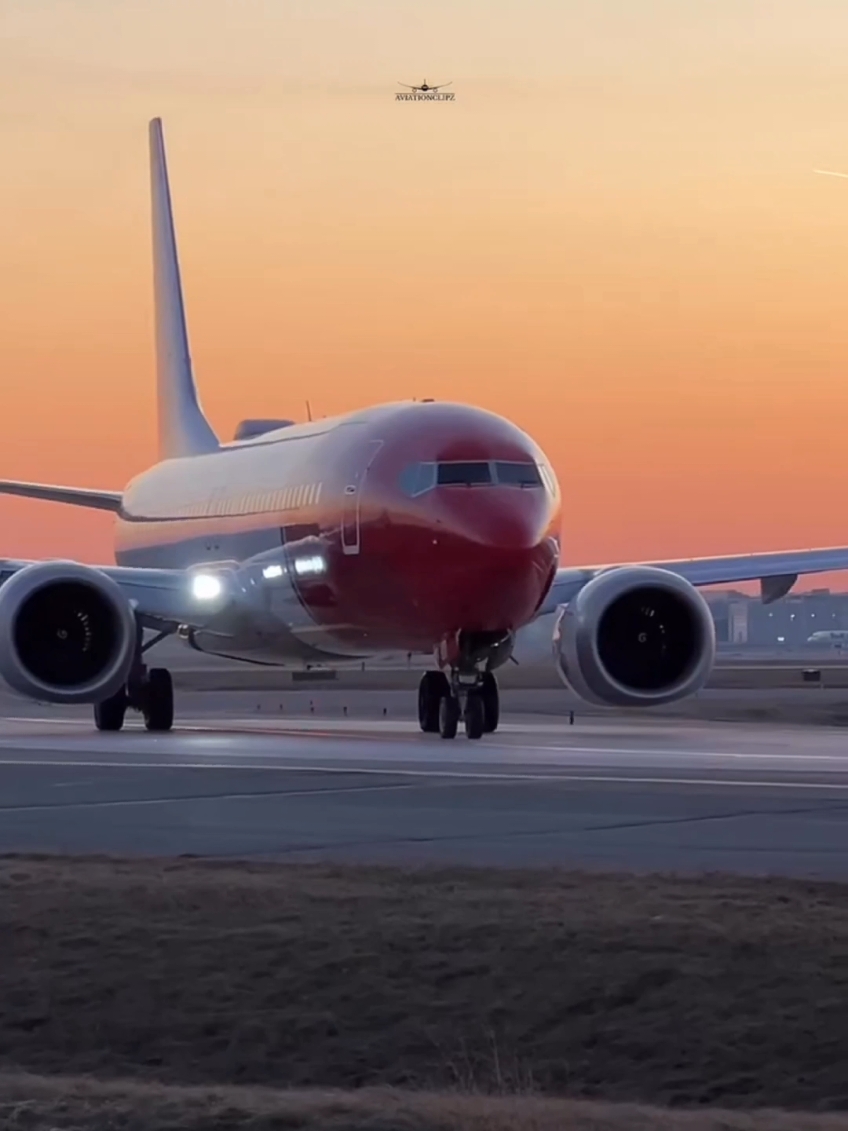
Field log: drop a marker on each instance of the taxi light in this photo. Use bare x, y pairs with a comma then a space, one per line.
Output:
271, 571
206, 586
312, 565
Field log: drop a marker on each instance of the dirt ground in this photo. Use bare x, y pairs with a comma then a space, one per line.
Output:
31, 1103
660, 991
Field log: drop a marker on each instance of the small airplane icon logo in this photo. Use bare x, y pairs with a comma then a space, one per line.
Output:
425, 87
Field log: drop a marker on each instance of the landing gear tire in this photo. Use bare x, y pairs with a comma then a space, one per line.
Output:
110, 714
159, 700
448, 716
432, 689
491, 703
475, 715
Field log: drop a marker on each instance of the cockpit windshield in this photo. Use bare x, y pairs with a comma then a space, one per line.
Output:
518, 474
463, 474
418, 478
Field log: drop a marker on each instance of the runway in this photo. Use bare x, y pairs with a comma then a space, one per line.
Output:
658, 795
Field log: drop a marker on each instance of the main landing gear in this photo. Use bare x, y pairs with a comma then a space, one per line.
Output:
148, 690
442, 703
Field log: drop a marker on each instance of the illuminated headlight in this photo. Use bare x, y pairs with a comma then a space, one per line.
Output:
272, 571
312, 565
206, 586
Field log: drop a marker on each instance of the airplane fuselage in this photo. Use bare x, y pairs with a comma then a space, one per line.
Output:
397, 529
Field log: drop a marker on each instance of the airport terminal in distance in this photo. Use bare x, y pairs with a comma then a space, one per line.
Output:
800, 621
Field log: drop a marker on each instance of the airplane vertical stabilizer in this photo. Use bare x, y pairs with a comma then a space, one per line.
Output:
183, 429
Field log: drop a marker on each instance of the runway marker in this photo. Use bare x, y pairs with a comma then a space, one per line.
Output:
839, 759
252, 795
64, 721
448, 775
485, 747
417, 742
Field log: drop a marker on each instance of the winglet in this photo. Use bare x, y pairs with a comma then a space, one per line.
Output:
183, 429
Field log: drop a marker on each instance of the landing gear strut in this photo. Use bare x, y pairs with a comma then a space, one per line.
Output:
148, 690
442, 703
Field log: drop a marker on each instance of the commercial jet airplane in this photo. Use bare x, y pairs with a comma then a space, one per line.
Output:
837, 637
429, 532
424, 87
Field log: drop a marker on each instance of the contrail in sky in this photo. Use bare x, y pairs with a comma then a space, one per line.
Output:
830, 173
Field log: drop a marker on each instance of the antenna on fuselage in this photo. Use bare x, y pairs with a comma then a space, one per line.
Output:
308, 412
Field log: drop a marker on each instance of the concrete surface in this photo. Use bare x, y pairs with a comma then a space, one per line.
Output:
657, 794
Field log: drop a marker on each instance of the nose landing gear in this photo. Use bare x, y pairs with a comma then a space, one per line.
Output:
475, 714
448, 716
434, 687
443, 702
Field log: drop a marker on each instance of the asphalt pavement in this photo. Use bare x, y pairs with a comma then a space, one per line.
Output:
232, 780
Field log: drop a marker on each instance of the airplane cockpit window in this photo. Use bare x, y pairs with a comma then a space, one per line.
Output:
548, 479
474, 474
418, 478
518, 474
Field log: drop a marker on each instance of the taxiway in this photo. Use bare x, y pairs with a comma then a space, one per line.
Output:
661, 794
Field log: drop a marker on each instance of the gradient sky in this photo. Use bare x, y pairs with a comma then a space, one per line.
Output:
613, 236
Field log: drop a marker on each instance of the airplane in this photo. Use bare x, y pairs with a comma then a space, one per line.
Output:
838, 637
424, 87
419, 532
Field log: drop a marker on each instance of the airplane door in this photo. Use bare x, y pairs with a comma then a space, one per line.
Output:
352, 493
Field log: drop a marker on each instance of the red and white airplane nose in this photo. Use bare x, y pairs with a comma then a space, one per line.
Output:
459, 527
483, 562
495, 519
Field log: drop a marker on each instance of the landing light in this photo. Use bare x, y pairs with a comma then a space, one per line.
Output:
206, 586
271, 571
305, 566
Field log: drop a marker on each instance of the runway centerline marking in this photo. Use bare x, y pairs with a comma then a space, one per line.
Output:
801, 760
413, 739
447, 775
234, 795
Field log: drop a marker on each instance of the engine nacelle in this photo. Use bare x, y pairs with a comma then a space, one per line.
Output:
67, 633
635, 636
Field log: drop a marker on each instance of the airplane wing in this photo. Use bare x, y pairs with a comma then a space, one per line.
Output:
776, 572
75, 496
162, 598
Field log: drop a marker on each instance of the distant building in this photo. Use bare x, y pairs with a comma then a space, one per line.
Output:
743, 621
730, 613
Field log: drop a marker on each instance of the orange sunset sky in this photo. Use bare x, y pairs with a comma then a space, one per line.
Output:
614, 236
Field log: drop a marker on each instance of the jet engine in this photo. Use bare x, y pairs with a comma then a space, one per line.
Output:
635, 637
67, 633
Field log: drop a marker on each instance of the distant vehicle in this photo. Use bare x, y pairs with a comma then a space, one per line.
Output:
837, 637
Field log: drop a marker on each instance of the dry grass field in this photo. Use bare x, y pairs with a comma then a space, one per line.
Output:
506, 985
32, 1103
